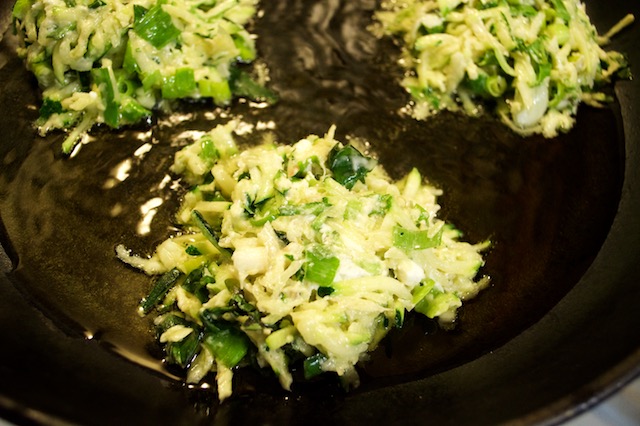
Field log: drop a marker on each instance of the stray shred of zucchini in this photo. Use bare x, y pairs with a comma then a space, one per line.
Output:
531, 62
116, 61
305, 253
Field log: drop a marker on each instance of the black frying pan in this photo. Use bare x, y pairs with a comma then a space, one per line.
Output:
556, 332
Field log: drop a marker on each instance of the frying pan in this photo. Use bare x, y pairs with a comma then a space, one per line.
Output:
555, 333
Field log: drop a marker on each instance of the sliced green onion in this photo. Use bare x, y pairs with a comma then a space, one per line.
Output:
196, 284
559, 31
208, 150
153, 80
496, 85
96, 4
180, 85
399, 318
419, 293
245, 47
183, 352
437, 303
102, 78
129, 64
281, 337
543, 71
228, 346
160, 289
313, 365
426, 94
169, 321
243, 85
245, 307
155, 26
21, 8
561, 10
408, 240
132, 112
218, 90
212, 318
488, 86
539, 58
208, 232
559, 96
522, 9
60, 32
313, 208
321, 267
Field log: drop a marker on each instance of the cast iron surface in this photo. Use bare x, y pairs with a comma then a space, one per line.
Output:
555, 333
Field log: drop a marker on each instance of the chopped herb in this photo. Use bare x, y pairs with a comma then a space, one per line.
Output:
50, 107
348, 165
325, 291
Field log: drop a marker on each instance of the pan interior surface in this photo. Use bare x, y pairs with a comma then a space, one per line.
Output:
558, 212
